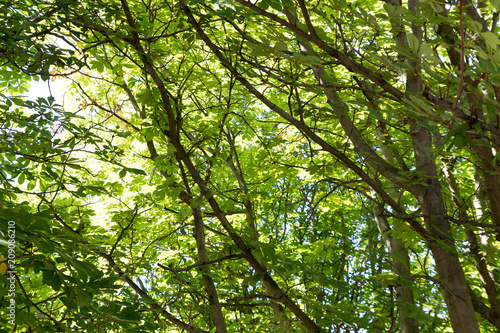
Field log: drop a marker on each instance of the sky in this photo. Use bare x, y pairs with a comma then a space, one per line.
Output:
41, 89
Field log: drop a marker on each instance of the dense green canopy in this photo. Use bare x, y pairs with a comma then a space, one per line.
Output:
250, 166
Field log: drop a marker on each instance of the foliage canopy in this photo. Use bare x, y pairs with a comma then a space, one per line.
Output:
267, 166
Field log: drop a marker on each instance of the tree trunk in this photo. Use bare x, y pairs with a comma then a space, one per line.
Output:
213, 299
454, 287
400, 259
400, 262
492, 186
475, 250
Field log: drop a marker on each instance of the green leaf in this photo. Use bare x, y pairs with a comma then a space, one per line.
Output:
275, 4
21, 178
253, 280
491, 40
280, 46
123, 173
414, 43
136, 171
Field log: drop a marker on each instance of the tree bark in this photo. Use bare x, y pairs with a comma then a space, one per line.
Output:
474, 245
454, 287
400, 262
211, 290
492, 185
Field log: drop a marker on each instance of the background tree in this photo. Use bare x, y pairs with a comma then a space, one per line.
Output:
268, 166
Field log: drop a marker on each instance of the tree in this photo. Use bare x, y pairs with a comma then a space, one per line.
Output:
273, 165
